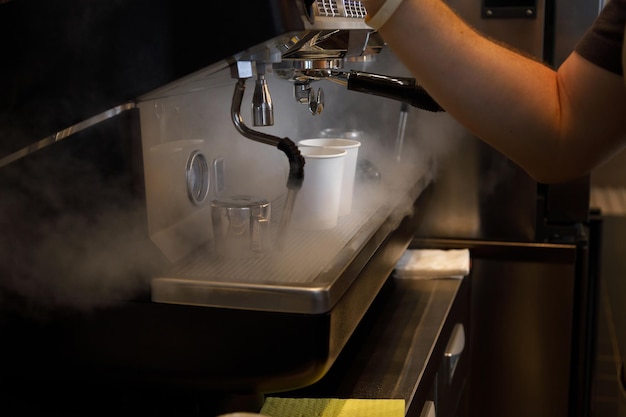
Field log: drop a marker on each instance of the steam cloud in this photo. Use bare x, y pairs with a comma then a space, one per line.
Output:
71, 236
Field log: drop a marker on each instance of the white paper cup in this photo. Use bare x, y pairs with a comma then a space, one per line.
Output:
351, 146
317, 202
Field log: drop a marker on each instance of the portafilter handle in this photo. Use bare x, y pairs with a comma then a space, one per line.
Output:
396, 88
402, 89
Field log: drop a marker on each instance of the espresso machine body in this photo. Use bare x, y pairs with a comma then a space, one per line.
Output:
121, 123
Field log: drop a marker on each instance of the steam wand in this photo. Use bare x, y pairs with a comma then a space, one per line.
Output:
296, 160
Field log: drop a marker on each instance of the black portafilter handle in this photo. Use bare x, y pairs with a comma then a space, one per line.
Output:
401, 89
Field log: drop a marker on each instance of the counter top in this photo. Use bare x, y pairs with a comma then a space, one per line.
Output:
397, 348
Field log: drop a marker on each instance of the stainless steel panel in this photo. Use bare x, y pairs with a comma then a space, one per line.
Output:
478, 192
524, 306
572, 19
522, 317
526, 34
612, 274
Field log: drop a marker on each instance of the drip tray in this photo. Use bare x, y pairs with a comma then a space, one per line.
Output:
308, 274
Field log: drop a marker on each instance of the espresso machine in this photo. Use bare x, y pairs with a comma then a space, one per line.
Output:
128, 129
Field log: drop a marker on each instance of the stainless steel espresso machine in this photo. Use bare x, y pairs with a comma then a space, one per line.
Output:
124, 127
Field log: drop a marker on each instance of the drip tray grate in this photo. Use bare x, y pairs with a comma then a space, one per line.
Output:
308, 274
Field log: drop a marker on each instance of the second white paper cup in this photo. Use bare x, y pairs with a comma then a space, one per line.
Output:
317, 202
351, 146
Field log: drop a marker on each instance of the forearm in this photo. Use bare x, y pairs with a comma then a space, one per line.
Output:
516, 104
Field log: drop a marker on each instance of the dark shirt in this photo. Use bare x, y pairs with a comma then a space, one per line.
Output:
602, 43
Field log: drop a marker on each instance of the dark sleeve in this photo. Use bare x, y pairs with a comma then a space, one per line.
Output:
602, 43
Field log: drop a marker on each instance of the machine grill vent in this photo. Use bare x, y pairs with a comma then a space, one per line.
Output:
342, 8
354, 9
327, 8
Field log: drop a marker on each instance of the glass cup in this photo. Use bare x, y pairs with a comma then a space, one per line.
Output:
241, 226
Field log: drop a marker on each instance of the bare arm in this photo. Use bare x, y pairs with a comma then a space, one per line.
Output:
557, 125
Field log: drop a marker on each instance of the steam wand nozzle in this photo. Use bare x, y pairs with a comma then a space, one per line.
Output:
262, 107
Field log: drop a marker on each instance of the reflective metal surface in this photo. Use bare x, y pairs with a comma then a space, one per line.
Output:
66, 132
399, 348
308, 275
